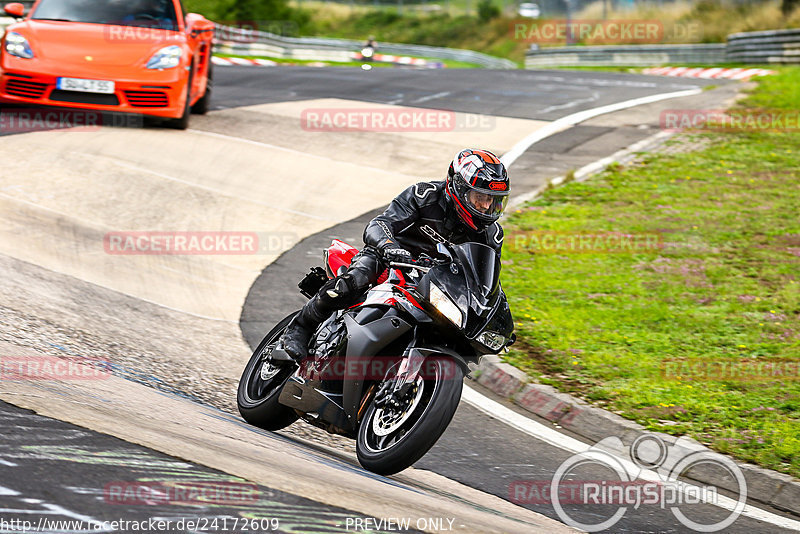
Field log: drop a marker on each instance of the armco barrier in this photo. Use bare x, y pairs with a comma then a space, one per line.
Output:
633, 55
250, 42
778, 46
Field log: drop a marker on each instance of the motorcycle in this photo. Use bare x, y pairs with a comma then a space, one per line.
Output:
388, 371
367, 53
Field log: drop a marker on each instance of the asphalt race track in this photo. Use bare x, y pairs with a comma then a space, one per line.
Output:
174, 330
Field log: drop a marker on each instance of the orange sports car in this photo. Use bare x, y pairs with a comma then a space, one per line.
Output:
134, 56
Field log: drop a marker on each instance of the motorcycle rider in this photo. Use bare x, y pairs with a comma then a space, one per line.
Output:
463, 208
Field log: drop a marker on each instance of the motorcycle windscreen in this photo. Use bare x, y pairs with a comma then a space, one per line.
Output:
482, 265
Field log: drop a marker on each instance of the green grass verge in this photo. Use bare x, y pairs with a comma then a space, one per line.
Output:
628, 331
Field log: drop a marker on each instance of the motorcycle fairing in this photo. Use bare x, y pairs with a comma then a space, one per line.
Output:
364, 341
338, 257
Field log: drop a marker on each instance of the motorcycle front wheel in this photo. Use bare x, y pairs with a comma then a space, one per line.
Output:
261, 384
391, 439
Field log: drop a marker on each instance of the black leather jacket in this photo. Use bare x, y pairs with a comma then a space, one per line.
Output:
417, 218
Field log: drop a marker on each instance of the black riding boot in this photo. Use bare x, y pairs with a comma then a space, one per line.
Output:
294, 342
335, 294
298, 334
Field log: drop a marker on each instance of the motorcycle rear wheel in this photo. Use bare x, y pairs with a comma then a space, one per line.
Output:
387, 443
261, 384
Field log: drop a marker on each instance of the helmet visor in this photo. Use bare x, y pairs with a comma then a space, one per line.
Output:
486, 204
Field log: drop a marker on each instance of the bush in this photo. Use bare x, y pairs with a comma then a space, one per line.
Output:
487, 10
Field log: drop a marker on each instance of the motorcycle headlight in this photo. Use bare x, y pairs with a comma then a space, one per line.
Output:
17, 45
167, 58
446, 306
493, 340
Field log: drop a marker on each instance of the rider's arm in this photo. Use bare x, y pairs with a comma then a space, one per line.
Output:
494, 234
401, 213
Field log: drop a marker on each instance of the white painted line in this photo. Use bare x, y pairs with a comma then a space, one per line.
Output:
593, 98
7, 491
570, 120
8, 464
556, 439
430, 97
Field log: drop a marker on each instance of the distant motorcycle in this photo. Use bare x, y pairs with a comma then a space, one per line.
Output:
367, 53
388, 371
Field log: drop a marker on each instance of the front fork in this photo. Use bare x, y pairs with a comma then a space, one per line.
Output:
393, 391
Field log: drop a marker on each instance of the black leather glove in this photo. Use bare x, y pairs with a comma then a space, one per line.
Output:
397, 254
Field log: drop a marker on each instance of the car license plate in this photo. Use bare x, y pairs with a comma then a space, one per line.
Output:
85, 86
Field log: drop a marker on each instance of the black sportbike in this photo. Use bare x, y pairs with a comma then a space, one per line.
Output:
388, 371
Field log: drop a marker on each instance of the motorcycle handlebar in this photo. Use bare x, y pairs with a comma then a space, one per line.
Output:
409, 266
424, 263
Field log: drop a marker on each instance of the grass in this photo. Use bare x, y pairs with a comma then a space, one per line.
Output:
622, 329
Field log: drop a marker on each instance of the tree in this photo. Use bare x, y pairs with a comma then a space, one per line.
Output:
259, 11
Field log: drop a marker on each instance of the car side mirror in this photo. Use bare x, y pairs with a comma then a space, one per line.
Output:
15, 10
199, 26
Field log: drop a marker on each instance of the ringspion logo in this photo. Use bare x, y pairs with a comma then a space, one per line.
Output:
650, 476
